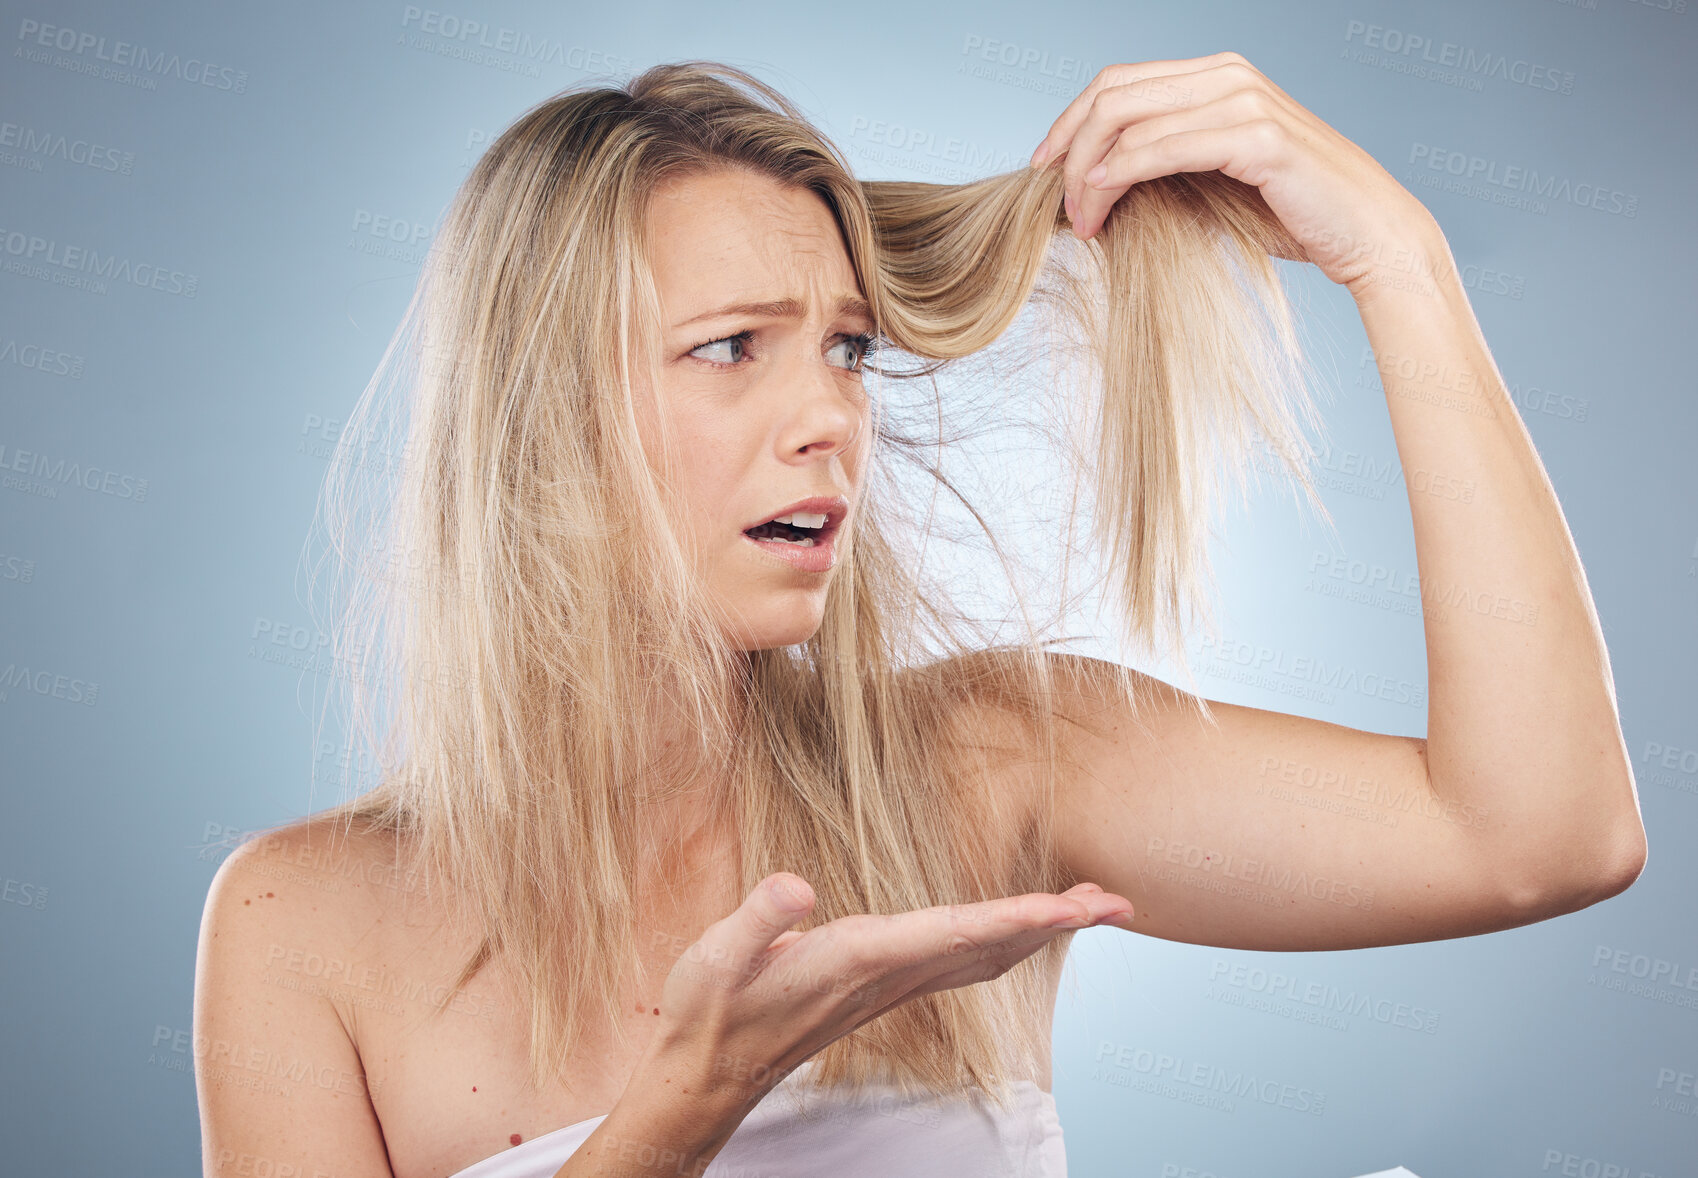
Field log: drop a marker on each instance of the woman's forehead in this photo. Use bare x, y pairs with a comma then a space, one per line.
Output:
735, 237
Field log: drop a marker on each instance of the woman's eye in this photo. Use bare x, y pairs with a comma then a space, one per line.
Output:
736, 347
861, 345
854, 351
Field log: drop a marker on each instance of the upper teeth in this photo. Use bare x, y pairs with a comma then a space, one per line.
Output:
802, 519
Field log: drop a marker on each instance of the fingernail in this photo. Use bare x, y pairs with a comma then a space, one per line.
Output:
1096, 173
1071, 922
1040, 155
788, 899
1067, 205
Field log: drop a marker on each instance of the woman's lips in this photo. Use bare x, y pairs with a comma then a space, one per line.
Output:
818, 557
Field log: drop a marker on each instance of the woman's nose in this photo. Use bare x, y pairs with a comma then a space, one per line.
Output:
825, 417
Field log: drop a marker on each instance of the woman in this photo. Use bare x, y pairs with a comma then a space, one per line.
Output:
702, 814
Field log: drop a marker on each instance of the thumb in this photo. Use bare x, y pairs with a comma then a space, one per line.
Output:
781, 899
777, 902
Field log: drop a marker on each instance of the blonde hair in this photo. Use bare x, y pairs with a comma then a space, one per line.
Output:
502, 630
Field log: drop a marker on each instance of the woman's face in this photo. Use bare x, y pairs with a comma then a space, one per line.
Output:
770, 422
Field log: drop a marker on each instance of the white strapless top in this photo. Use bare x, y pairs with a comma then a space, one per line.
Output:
847, 1132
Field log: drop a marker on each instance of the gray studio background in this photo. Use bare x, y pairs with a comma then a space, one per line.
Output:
272, 215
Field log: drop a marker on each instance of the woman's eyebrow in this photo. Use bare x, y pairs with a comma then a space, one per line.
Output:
785, 308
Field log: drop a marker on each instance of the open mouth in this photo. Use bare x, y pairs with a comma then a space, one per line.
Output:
802, 528
803, 533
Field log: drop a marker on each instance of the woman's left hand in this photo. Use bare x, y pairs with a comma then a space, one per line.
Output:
1138, 121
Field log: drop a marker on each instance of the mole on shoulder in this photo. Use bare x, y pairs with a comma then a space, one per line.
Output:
657, 1010
514, 1139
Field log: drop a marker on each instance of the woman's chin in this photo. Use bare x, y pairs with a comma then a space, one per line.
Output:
777, 632
756, 616
775, 641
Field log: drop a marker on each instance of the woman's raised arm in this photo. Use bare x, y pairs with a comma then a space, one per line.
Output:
1520, 802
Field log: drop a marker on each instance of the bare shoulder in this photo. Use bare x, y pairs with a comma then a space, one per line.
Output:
311, 886
978, 705
270, 1043
1015, 722
328, 873
996, 697
989, 704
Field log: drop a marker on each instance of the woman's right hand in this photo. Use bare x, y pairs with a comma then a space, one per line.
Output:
753, 998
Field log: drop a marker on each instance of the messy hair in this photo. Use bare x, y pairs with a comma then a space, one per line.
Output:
503, 637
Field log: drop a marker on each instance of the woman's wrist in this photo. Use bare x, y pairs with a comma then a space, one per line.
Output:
672, 1119
1414, 259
